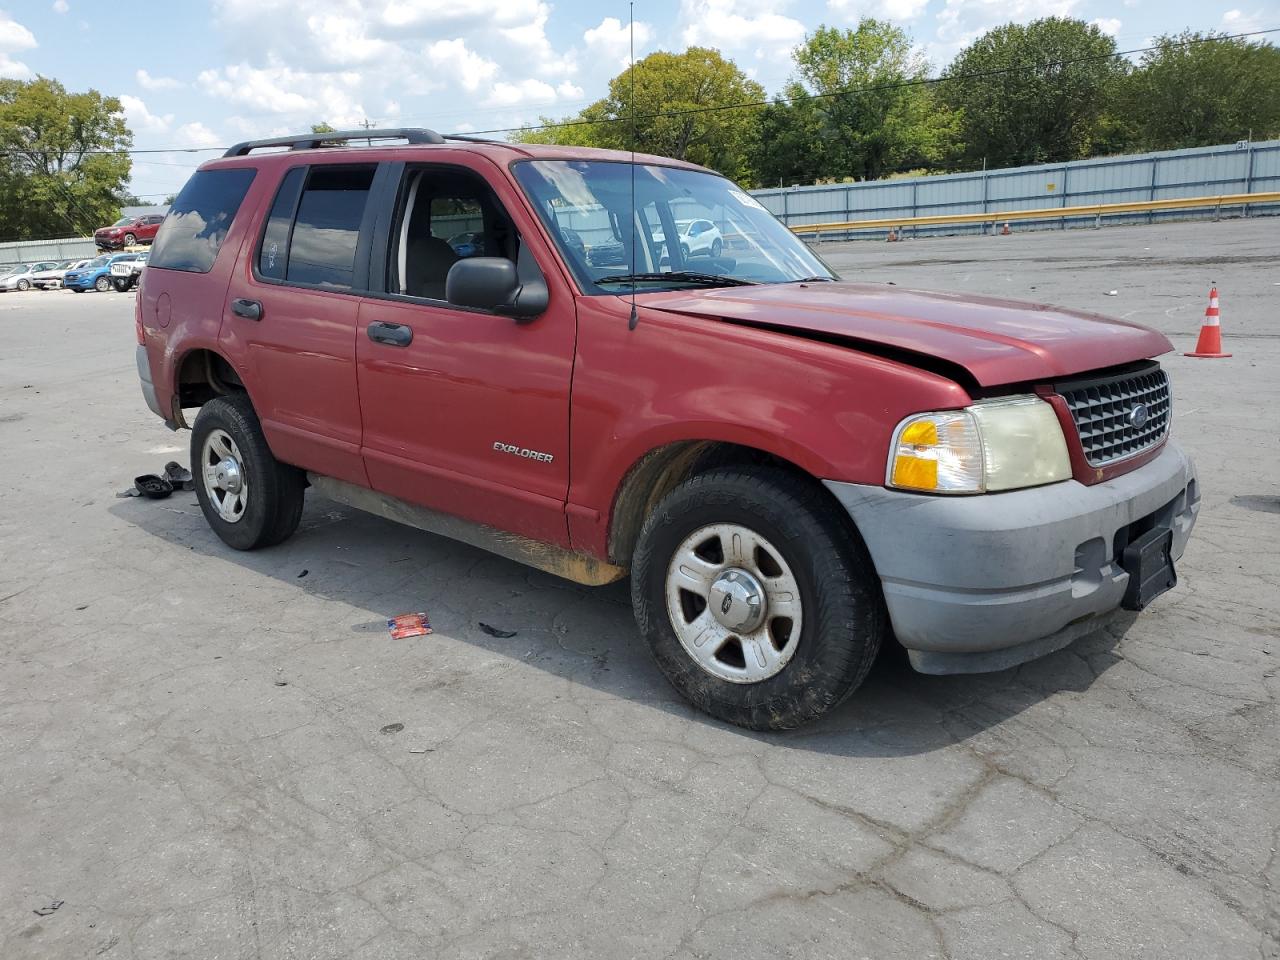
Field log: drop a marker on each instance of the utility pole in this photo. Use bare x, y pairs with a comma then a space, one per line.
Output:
368, 125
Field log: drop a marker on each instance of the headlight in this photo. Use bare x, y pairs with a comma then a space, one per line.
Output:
992, 445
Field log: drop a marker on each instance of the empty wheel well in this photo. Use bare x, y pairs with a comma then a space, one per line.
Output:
204, 375
662, 470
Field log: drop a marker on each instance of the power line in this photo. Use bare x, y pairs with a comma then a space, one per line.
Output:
748, 104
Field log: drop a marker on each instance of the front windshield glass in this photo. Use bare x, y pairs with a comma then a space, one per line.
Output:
123, 222
99, 261
721, 235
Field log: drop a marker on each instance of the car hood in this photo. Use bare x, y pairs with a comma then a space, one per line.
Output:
996, 341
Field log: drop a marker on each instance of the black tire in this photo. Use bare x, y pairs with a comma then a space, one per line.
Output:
130, 239
684, 252
23, 286
121, 284
102, 284
844, 620
276, 490
717, 248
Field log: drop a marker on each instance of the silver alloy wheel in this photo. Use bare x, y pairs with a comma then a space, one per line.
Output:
734, 603
225, 481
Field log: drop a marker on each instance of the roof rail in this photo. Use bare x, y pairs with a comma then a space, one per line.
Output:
310, 141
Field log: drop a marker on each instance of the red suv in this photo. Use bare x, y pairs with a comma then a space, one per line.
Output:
127, 231
793, 469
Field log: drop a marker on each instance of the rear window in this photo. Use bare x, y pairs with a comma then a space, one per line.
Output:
322, 249
199, 220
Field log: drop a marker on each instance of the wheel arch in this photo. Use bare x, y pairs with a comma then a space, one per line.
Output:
663, 468
201, 374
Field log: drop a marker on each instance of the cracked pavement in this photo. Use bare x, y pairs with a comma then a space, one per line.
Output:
194, 760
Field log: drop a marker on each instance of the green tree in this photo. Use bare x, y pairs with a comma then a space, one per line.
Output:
1022, 102
858, 108
63, 159
323, 127
1197, 89
676, 112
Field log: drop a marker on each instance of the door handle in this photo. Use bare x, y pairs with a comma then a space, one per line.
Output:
392, 334
249, 309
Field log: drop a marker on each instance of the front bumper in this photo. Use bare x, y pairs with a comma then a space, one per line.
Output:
986, 582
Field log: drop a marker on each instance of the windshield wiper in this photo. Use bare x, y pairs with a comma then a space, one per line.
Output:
814, 280
686, 276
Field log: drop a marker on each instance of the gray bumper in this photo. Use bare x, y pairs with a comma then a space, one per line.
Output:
986, 582
148, 387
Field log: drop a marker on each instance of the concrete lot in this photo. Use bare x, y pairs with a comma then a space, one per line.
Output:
219, 755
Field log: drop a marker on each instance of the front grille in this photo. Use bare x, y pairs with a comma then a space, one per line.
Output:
1103, 411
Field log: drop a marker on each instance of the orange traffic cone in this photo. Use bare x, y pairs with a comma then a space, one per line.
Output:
1210, 342
1005, 232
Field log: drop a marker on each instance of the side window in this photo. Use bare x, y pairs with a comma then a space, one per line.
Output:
326, 229
273, 252
446, 214
199, 220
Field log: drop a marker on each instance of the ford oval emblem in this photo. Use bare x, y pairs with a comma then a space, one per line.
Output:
1138, 415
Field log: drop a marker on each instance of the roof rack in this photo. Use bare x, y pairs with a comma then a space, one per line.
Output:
312, 141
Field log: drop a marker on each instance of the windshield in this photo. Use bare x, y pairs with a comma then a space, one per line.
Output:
724, 235
123, 222
99, 262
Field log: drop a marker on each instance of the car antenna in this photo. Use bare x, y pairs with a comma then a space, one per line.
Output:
635, 317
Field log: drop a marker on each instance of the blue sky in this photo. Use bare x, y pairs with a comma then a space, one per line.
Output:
201, 73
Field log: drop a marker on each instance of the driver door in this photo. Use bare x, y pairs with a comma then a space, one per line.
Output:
465, 411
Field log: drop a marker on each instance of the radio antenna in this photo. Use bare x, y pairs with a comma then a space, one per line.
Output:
635, 317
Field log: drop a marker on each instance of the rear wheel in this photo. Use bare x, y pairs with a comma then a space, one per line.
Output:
249, 498
717, 248
24, 285
759, 605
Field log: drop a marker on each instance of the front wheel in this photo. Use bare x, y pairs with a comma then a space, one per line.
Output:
121, 284
249, 498
758, 604
130, 239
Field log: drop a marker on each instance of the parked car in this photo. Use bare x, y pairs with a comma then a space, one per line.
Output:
52, 278
23, 276
793, 469
127, 231
96, 274
469, 244
125, 274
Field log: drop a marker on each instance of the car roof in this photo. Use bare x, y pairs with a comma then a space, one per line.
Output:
499, 151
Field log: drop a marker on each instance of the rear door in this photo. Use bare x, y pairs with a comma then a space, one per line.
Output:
465, 411
292, 313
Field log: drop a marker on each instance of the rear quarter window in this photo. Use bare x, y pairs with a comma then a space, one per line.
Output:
199, 219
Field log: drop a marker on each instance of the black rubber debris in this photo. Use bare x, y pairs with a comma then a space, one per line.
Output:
392, 728
495, 632
179, 476
45, 911
149, 485
302, 574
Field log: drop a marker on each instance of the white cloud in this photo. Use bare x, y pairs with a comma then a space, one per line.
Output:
461, 64
610, 41
141, 119
739, 27
960, 22
344, 40
853, 10
527, 92
1108, 25
280, 89
60, 6
14, 37
1237, 21
196, 134
148, 82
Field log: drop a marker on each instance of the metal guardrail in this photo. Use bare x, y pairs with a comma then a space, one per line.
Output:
1098, 210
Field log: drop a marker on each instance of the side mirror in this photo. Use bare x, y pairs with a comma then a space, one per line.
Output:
491, 283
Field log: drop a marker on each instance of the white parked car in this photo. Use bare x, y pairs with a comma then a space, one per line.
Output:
22, 278
697, 238
52, 279
126, 272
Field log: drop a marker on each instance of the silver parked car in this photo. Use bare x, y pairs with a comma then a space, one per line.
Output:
23, 276
51, 279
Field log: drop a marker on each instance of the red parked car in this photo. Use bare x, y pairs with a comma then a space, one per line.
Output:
127, 231
792, 469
